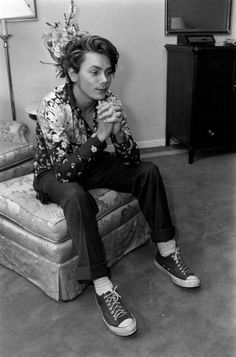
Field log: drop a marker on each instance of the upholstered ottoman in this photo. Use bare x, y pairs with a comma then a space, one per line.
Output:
34, 240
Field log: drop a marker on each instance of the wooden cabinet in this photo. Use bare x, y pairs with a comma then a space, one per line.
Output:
201, 96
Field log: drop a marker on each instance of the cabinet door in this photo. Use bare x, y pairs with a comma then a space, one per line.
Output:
214, 109
179, 94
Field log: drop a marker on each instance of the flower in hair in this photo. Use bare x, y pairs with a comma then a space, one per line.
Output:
60, 34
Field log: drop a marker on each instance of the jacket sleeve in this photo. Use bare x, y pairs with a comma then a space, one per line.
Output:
128, 151
68, 159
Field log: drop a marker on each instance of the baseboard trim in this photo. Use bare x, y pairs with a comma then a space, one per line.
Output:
151, 143
154, 145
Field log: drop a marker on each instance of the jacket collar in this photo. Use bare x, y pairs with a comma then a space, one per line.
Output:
70, 95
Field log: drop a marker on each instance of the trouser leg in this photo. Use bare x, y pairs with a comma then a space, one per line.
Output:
80, 213
145, 183
151, 194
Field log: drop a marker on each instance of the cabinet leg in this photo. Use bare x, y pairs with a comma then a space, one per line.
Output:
167, 140
190, 155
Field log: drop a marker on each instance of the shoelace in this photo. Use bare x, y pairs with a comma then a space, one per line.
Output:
180, 263
114, 304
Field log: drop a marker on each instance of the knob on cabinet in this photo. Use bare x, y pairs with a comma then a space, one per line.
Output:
211, 132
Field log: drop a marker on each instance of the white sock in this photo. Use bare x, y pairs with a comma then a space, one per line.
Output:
167, 248
102, 285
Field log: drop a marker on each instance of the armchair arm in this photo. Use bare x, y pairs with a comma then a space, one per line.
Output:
14, 131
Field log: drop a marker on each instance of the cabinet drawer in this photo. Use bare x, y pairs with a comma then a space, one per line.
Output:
214, 134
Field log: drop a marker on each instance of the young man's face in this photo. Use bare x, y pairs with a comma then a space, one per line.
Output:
94, 77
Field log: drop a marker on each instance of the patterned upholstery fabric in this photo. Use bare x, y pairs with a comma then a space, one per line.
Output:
34, 240
14, 132
17, 201
15, 171
15, 151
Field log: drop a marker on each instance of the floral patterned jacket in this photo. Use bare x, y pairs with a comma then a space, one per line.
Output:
65, 142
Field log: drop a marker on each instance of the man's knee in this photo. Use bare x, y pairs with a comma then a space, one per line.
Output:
77, 198
150, 169
72, 193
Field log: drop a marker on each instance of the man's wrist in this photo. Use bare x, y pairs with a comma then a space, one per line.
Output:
120, 137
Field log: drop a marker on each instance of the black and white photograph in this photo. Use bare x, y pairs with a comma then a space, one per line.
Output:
117, 178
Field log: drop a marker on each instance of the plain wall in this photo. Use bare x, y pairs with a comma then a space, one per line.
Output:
136, 27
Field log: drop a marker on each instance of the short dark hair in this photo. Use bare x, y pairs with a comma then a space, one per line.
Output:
75, 50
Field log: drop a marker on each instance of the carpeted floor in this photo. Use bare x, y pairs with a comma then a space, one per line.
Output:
173, 322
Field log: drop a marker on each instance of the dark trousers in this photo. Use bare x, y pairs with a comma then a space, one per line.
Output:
144, 182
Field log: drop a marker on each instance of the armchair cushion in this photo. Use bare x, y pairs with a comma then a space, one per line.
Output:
14, 131
17, 201
16, 152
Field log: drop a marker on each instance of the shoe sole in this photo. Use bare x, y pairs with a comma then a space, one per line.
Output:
121, 331
178, 281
